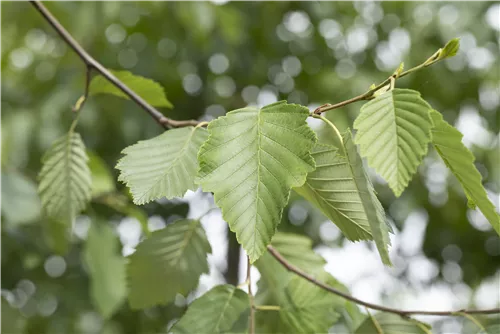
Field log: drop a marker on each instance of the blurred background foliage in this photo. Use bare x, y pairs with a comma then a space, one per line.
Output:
215, 57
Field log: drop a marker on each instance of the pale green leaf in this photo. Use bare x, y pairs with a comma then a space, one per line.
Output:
151, 91
450, 49
388, 323
448, 143
65, 179
224, 309
164, 166
251, 160
103, 181
20, 201
57, 235
491, 329
304, 307
106, 269
169, 262
393, 133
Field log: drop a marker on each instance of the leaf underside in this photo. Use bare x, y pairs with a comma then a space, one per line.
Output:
65, 179
251, 160
151, 91
448, 143
393, 133
164, 166
224, 309
170, 261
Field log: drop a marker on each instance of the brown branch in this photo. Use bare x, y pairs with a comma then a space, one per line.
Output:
91, 63
331, 289
251, 327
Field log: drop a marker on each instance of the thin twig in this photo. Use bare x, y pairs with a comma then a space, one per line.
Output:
369, 94
251, 326
91, 63
81, 101
331, 289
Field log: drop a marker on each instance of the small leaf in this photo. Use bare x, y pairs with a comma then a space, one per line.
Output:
388, 323
169, 262
106, 269
224, 309
151, 91
399, 70
393, 133
448, 143
103, 181
164, 166
450, 49
65, 179
250, 161
20, 201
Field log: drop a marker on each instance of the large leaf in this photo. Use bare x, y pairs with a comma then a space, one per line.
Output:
388, 323
106, 269
332, 188
151, 91
251, 160
448, 143
393, 133
304, 307
164, 166
169, 262
224, 309
65, 179
103, 181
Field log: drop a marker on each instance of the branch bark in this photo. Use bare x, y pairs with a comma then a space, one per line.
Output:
403, 313
93, 64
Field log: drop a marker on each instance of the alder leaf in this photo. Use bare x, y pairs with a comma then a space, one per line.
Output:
164, 166
388, 323
393, 133
151, 91
448, 143
103, 181
65, 179
106, 269
169, 262
251, 160
224, 309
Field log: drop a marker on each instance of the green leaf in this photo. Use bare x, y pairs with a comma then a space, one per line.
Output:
151, 91
491, 329
20, 201
57, 235
251, 160
169, 262
103, 181
164, 166
12, 319
304, 307
224, 309
333, 189
65, 179
393, 133
388, 323
106, 269
450, 49
448, 143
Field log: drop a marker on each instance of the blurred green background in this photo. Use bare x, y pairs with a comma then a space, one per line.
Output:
215, 57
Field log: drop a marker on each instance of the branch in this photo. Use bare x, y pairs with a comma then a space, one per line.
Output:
439, 55
91, 63
251, 327
331, 289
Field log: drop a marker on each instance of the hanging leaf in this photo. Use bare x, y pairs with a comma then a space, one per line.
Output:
250, 161
169, 262
448, 143
65, 179
393, 133
151, 91
224, 309
106, 269
103, 181
164, 166
388, 323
